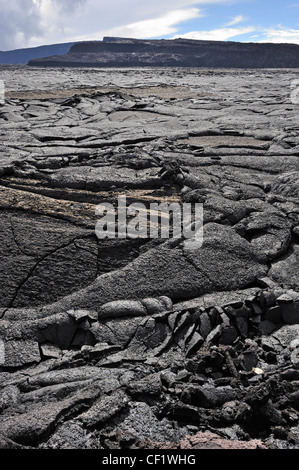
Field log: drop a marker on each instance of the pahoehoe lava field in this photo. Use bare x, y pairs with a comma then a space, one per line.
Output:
142, 343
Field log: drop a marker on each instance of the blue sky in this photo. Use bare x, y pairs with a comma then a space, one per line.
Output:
29, 23
268, 20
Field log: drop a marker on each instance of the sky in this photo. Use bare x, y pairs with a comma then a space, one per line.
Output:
31, 23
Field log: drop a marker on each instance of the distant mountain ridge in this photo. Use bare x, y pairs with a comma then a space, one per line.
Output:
23, 56
129, 52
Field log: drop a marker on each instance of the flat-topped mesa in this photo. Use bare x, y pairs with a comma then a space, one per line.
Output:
180, 52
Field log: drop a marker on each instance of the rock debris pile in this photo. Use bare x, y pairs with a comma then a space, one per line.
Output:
138, 342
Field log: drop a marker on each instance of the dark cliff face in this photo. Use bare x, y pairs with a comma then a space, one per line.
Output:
117, 52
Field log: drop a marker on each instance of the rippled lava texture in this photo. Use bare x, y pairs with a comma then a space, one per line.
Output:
140, 343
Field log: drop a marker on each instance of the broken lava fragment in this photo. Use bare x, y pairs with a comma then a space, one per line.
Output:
135, 308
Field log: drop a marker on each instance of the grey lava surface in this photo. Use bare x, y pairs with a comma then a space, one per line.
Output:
146, 343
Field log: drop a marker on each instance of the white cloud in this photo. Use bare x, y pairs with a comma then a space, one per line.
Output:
236, 20
221, 34
27, 23
281, 36
19, 20
155, 27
